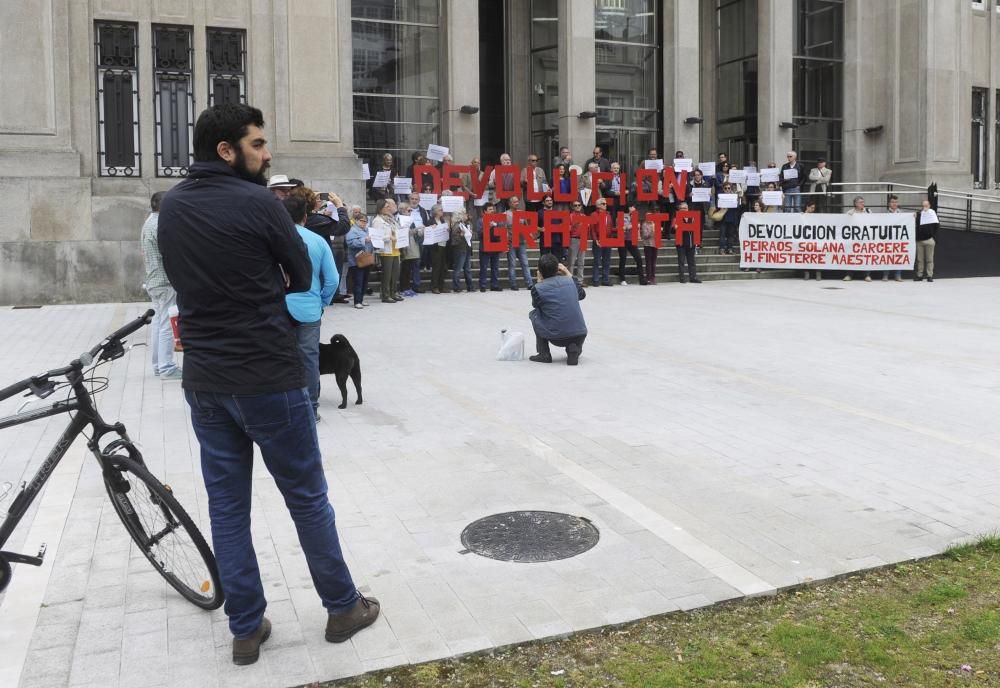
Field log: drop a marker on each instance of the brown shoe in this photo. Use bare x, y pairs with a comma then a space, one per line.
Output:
340, 627
247, 650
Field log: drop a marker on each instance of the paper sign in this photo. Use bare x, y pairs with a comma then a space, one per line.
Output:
753, 179
772, 198
769, 174
427, 201
791, 173
585, 196
653, 164
435, 234
416, 219
481, 201
375, 234
683, 165
436, 152
467, 232
707, 168
382, 179
727, 200
737, 176
928, 217
403, 186
701, 195
750, 170
402, 239
452, 204
365, 172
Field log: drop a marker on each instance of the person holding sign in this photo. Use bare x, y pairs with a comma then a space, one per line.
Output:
630, 249
927, 227
517, 252
489, 261
792, 176
685, 228
386, 227
809, 208
439, 250
859, 209
650, 248
700, 187
893, 207
461, 251
412, 219
729, 202
602, 254
819, 178
384, 188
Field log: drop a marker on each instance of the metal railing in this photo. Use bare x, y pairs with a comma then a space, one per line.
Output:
963, 210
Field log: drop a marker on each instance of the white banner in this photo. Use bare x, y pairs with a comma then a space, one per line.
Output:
814, 241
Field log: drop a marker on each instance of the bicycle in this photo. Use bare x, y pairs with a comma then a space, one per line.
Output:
154, 519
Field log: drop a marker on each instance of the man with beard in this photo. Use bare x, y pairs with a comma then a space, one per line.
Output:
231, 251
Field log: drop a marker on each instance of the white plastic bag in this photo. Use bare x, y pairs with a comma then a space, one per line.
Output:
511, 346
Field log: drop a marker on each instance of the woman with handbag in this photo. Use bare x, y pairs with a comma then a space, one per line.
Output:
461, 251
387, 228
360, 258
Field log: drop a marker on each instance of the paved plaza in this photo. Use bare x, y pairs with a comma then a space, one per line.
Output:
728, 439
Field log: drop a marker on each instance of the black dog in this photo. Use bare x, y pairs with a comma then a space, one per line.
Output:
339, 358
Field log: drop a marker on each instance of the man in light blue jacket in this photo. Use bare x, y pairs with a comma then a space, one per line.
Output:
306, 308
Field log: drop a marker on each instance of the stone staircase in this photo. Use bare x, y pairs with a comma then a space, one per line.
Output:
712, 266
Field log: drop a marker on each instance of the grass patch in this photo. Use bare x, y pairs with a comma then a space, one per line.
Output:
930, 623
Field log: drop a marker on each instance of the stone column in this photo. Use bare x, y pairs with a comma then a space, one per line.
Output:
928, 125
577, 77
461, 82
775, 47
517, 18
682, 76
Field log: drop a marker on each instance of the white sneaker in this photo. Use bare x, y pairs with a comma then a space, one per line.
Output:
623, 283
868, 278
358, 305
847, 278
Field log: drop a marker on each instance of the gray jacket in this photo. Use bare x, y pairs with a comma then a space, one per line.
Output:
557, 313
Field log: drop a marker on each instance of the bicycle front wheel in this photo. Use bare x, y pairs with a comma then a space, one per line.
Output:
163, 531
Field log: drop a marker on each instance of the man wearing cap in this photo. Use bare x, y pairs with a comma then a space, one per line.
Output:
819, 178
280, 185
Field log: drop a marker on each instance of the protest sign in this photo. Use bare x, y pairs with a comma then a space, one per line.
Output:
753, 179
365, 172
653, 164
683, 164
435, 152
403, 186
818, 241
737, 176
790, 173
382, 179
427, 201
772, 198
452, 204
727, 200
435, 234
402, 238
769, 174
701, 195
707, 168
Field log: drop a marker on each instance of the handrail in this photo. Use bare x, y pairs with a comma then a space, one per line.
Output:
950, 193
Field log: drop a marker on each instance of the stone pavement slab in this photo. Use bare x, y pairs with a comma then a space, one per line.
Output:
727, 439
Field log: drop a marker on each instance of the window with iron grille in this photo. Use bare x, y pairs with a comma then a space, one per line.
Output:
173, 99
980, 105
227, 81
117, 99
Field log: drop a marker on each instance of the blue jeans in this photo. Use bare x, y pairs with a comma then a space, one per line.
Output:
462, 264
522, 257
602, 265
308, 338
360, 282
282, 425
489, 261
161, 335
793, 201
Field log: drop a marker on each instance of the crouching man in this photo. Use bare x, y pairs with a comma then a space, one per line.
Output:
557, 317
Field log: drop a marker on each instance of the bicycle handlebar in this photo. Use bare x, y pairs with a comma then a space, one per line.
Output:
77, 364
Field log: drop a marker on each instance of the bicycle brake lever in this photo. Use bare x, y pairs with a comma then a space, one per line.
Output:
42, 388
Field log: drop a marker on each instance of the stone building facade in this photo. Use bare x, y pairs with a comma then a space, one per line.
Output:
100, 97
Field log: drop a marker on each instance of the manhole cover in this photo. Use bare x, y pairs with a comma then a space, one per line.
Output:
530, 536
832, 288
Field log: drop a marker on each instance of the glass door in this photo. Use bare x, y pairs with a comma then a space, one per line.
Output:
626, 145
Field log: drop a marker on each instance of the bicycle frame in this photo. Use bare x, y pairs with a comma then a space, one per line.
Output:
86, 415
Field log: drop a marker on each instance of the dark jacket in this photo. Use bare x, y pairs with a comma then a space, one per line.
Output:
557, 313
924, 232
792, 184
333, 229
225, 242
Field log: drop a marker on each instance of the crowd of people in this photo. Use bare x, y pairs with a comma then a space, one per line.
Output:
392, 239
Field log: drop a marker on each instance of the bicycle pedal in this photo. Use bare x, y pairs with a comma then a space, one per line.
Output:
41, 551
